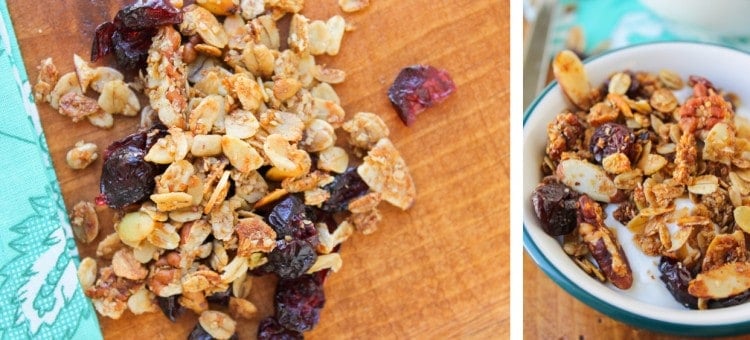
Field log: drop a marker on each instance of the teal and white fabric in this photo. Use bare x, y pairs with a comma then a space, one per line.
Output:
620, 23
40, 297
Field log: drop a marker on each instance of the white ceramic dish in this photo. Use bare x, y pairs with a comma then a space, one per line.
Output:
647, 304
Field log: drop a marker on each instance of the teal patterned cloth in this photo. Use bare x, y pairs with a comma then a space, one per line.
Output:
40, 297
617, 23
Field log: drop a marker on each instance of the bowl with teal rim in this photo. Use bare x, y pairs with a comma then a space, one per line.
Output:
647, 304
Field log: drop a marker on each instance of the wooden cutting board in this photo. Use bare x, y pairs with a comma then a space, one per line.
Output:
438, 270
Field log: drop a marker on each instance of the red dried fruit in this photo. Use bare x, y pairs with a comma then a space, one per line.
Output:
291, 259
418, 87
611, 138
298, 302
289, 218
126, 177
345, 187
270, 329
677, 278
129, 35
556, 207
170, 307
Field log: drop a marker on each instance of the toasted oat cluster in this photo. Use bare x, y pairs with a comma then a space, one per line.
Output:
251, 175
631, 142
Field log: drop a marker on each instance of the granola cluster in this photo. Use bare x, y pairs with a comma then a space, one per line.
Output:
245, 126
631, 142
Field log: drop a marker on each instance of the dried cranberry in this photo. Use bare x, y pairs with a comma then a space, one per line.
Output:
129, 35
136, 140
149, 14
199, 333
611, 138
126, 177
345, 187
555, 206
693, 80
290, 259
418, 87
298, 302
102, 45
170, 307
289, 218
270, 329
220, 298
677, 278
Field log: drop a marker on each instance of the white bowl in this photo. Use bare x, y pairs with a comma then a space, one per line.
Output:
647, 304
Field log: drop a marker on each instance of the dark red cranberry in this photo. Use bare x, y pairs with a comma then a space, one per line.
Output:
270, 329
345, 187
127, 178
298, 302
220, 298
129, 34
692, 80
677, 278
417, 88
611, 138
199, 333
556, 207
289, 219
291, 259
170, 307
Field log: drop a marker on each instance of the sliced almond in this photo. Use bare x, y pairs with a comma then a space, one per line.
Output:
574, 81
587, 178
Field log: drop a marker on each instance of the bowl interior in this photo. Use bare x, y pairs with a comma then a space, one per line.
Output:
647, 298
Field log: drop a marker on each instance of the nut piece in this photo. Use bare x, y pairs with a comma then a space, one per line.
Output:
196, 19
574, 81
727, 280
240, 154
46, 80
66, 84
330, 261
217, 324
365, 129
125, 265
84, 221
142, 301
82, 155
350, 6
602, 244
241, 308
77, 106
134, 227
254, 236
87, 273
588, 179
117, 97
386, 172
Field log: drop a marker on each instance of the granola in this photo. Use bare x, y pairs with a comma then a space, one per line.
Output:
240, 141
632, 142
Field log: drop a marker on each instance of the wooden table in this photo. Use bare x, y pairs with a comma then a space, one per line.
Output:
439, 270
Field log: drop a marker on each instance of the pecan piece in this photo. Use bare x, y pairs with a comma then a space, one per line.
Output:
602, 244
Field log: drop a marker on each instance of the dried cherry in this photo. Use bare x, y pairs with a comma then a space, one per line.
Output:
676, 278
611, 138
129, 34
345, 187
298, 302
170, 306
556, 207
126, 177
270, 329
291, 259
417, 88
289, 218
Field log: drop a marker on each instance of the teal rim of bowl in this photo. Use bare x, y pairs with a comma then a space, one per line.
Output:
602, 306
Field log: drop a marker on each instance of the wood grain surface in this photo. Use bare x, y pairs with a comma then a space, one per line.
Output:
438, 270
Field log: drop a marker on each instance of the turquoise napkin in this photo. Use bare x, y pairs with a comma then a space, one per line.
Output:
40, 296
617, 23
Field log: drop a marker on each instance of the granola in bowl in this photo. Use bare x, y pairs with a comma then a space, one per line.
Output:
638, 182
